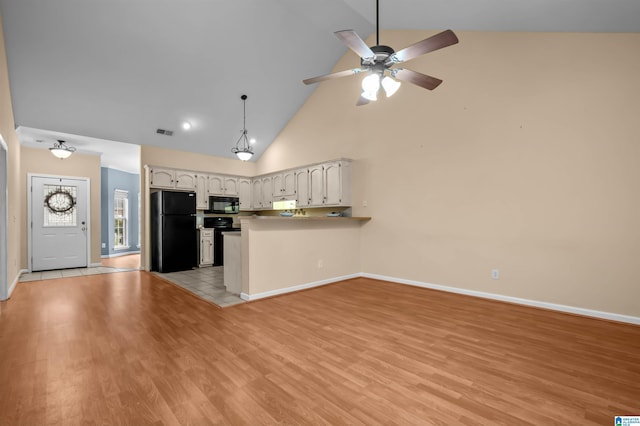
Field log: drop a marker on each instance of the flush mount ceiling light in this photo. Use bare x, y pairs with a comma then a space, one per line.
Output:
377, 61
61, 150
186, 125
243, 149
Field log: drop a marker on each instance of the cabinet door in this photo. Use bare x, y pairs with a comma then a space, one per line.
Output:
185, 180
216, 185
256, 200
302, 187
202, 192
206, 247
316, 186
333, 184
231, 186
244, 193
289, 184
162, 178
277, 183
267, 193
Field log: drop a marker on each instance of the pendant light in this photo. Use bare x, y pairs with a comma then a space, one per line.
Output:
61, 150
243, 149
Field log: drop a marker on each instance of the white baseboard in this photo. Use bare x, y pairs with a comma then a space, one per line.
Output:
94, 265
285, 290
510, 299
15, 281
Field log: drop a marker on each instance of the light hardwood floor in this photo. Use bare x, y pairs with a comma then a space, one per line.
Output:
130, 261
129, 348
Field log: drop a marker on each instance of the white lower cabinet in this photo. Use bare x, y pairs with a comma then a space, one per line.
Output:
206, 247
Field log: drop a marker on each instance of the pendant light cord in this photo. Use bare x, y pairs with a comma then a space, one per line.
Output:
244, 115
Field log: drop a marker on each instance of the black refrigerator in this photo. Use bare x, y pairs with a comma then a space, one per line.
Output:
174, 244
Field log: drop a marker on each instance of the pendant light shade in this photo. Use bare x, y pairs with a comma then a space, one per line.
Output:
243, 148
61, 150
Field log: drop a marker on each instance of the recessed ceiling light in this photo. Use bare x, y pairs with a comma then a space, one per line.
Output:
252, 141
186, 125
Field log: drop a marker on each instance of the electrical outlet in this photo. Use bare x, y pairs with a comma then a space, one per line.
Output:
364, 204
104, 245
495, 274
320, 263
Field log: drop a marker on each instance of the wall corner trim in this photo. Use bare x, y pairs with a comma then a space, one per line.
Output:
534, 303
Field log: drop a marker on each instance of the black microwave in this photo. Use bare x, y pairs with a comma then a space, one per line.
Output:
223, 205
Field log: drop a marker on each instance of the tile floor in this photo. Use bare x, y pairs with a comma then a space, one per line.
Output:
66, 273
207, 283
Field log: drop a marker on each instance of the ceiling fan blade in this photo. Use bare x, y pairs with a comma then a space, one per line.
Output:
355, 43
417, 78
438, 41
338, 74
362, 101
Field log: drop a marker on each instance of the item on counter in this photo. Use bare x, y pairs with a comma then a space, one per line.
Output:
333, 214
286, 214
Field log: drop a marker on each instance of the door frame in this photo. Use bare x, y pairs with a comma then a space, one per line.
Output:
29, 218
4, 220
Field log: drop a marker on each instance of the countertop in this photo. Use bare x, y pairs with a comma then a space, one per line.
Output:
308, 218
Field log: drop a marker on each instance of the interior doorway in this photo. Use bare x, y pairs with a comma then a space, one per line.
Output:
4, 218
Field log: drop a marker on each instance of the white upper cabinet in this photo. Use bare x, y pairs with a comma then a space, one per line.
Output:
185, 180
202, 192
302, 187
216, 185
267, 192
284, 185
333, 184
320, 185
231, 186
330, 184
162, 178
256, 193
316, 186
223, 185
244, 193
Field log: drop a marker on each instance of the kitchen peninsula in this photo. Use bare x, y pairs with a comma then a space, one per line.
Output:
283, 254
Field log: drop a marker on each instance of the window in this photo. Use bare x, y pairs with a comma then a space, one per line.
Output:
121, 219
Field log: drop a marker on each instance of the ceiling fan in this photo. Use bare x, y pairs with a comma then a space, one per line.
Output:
377, 61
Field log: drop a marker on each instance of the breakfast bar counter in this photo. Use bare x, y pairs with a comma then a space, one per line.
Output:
283, 254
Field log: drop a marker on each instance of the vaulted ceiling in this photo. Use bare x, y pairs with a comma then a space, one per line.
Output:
117, 70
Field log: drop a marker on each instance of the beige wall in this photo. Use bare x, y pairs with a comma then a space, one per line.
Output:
525, 159
40, 161
156, 156
7, 130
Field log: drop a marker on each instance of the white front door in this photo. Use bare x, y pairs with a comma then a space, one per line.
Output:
59, 225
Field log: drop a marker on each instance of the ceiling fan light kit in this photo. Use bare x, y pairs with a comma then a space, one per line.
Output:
377, 61
61, 150
243, 148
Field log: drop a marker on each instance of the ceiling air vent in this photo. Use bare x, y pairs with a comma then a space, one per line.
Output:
164, 132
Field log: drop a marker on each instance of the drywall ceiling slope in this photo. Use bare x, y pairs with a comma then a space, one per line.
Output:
118, 70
